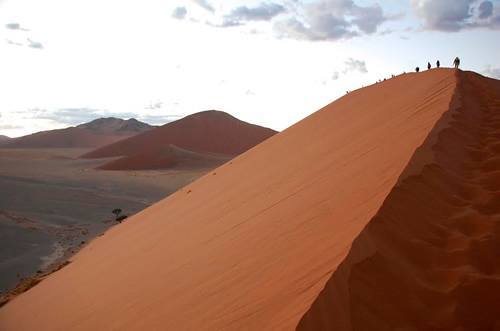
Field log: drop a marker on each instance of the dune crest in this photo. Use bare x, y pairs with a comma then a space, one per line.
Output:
301, 230
428, 260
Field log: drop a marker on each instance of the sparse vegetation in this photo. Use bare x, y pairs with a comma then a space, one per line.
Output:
117, 212
121, 218
118, 217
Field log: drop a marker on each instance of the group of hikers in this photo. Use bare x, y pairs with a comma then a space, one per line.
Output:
456, 64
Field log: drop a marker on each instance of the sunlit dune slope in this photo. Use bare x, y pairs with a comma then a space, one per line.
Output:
430, 257
251, 245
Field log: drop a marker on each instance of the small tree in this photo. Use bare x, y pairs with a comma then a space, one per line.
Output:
117, 212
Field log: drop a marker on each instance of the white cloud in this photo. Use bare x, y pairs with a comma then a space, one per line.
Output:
179, 13
332, 20
263, 12
205, 5
34, 44
456, 15
355, 65
492, 72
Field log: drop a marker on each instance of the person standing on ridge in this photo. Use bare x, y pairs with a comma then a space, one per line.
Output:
438, 64
456, 63
417, 69
429, 66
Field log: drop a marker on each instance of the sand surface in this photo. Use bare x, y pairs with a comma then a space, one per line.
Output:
378, 211
430, 257
51, 201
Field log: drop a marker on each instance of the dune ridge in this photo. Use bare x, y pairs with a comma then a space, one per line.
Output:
428, 260
263, 241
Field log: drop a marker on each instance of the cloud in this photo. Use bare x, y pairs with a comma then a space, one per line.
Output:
456, 15
264, 12
15, 26
10, 127
492, 72
11, 42
332, 20
485, 9
179, 13
34, 44
355, 65
156, 105
159, 119
350, 65
205, 5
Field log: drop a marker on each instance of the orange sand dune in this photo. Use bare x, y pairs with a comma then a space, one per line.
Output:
204, 132
264, 241
430, 258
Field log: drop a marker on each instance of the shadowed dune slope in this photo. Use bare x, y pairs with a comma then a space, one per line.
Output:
205, 132
99, 132
251, 245
429, 259
167, 157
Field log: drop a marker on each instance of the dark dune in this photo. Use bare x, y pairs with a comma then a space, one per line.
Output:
97, 133
167, 157
4, 139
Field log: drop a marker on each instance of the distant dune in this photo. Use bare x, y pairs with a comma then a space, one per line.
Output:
97, 133
211, 133
4, 139
379, 212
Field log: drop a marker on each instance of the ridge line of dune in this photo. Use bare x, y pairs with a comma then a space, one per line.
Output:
426, 261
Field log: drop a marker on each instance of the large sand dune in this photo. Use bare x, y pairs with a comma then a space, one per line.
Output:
208, 132
99, 132
377, 212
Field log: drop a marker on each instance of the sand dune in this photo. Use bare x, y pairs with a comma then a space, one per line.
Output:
100, 132
429, 259
379, 211
169, 156
212, 132
4, 139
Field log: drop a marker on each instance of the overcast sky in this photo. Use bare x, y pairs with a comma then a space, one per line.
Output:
267, 62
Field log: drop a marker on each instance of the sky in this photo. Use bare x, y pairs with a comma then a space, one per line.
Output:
272, 63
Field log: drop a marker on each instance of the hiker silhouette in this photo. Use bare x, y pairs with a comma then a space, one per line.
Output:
456, 63
438, 64
417, 69
429, 66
